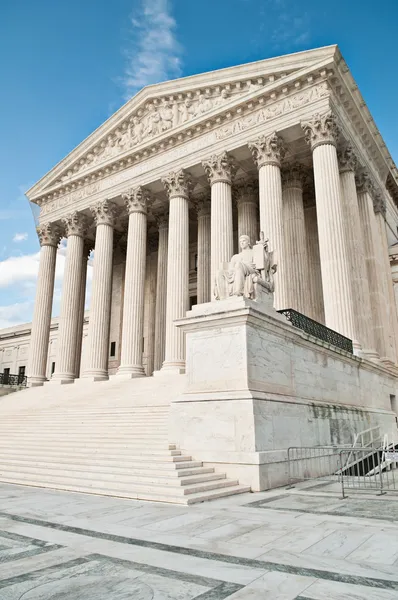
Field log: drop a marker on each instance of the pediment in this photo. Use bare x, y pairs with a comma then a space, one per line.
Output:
162, 110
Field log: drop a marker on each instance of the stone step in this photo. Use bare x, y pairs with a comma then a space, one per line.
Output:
89, 482
43, 443
73, 436
150, 496
169, 478
132, 469
76, 455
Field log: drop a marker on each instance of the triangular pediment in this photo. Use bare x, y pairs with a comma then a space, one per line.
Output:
162, 110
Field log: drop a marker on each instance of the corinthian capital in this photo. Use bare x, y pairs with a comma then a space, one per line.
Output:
321, 129
104, 213
49, 234
219, 167
245, 191
75, 224
202, 204
267, 150
365, 183
379, 203
162, 220
294, 176
177, 183
347, 159
136, 200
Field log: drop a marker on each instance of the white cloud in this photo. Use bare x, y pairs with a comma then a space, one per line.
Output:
154, 54
20, 237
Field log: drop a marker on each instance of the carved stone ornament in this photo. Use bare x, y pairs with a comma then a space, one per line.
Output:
379, 204
49, 234
202, 204
162, 220
245, 191
178, 183
267, 150
294, 176
365, 183
136, 200
104, 213
75, 224
347, 158
321, 129
219, 167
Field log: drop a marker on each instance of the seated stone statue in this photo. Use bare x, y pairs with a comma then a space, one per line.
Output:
249, 273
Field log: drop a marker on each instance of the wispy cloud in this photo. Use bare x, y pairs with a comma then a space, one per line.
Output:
285, 24
154, 53
20, 237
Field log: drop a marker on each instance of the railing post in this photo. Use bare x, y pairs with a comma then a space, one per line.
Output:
343, 496
290, 486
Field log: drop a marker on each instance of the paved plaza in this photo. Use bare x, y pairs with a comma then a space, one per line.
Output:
299, 544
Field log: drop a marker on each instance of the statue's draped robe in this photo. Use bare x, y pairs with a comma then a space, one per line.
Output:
239, 279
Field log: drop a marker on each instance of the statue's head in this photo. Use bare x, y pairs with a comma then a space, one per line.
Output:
244, 242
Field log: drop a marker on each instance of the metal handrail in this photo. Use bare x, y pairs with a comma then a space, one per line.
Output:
13, 380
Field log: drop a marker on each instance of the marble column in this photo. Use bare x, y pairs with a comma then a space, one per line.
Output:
150, 306
162, 222
393, 253
220, 171
96, 368
75, 229
79, 336
384, 266
202, 205
178, 186
363, 340
268, 152
246, 198
297, 269
137, 200
49, 236
379, 321
321, 134
317, 311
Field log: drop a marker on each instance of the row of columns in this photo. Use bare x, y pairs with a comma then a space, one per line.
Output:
352, 254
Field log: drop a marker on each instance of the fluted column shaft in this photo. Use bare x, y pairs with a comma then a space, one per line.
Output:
391, 334
362, 321
49, 238
150, 311
161, 293
65, 363
268, 152
80, 322
297, 272
100, 309
204, 252
314, 264
322, 134
177, 185
220, 171
246, 197
370, 238
134, 285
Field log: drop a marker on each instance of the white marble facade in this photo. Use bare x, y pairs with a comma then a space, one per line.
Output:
164, 188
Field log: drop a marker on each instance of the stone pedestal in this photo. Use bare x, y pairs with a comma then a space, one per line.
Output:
177, 185
321, 133
49, 236
257, 385
267, 152
65, 364
134, 285
100, 309
220, 171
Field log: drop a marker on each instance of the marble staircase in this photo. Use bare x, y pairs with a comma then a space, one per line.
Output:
107, 438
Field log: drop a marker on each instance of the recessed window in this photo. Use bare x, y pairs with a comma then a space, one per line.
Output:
52, 368
113, 349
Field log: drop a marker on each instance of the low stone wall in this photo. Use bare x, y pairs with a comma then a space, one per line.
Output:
257, 385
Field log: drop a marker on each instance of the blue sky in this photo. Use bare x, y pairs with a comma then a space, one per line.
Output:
67, 66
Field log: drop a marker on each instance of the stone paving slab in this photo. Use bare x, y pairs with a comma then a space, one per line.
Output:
297, 544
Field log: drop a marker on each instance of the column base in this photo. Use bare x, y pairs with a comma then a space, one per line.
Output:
95, 375
387, 362
371, 355
62, 379
171, 368
131, 371
36, 381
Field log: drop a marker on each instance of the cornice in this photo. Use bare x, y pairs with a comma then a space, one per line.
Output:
266, 96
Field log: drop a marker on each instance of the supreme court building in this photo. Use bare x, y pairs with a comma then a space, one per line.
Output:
162, 192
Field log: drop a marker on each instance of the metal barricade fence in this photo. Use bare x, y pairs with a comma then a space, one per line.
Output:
362, 469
